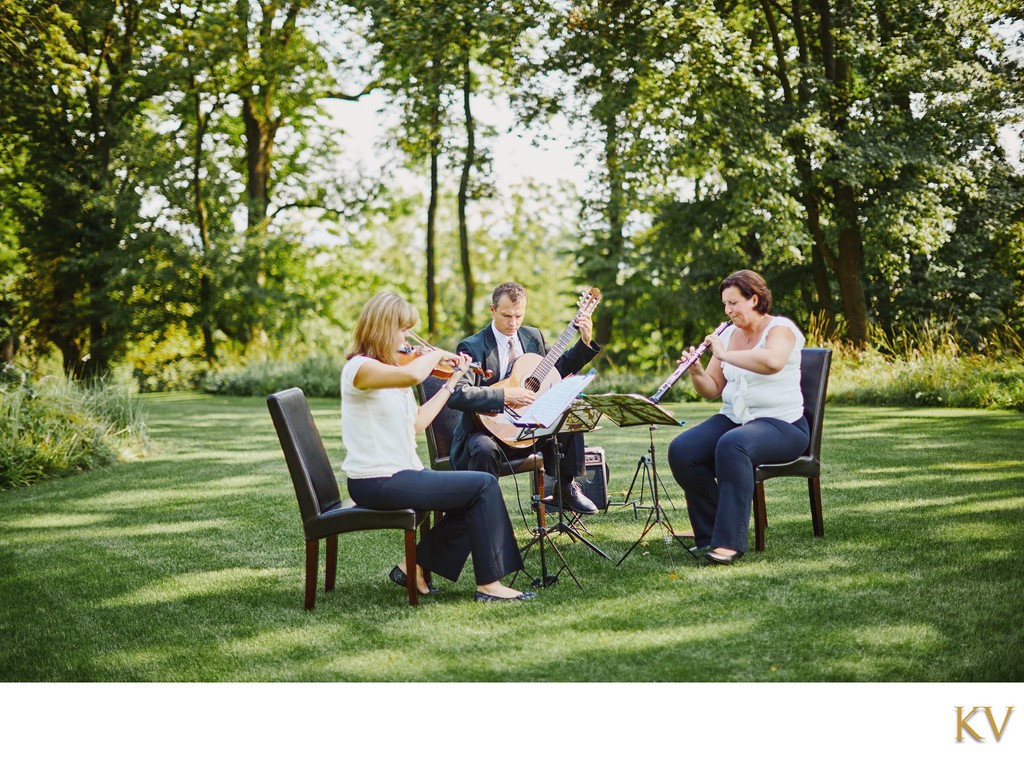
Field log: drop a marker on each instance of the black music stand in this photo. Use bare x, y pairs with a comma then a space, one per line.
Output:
548, 416
634, 410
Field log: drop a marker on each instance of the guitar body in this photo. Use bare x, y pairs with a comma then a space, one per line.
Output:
499, 425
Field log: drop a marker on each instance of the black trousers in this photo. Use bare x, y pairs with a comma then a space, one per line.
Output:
714, 464
475, 519
487, 454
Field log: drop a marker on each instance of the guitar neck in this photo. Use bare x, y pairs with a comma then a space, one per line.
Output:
555, 352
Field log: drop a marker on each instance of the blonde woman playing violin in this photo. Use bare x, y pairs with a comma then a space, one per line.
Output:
379, 423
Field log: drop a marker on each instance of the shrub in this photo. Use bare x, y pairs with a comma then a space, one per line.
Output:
315, 375
926, 366
55, 426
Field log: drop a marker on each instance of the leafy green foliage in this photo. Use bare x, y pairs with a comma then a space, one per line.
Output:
927, 365
170, 196
316, 376
56, 426
856, 168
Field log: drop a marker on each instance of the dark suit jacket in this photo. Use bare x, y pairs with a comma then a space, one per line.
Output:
473, 393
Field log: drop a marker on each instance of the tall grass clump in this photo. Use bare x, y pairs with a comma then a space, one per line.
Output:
56, 426
315, 375
927, 365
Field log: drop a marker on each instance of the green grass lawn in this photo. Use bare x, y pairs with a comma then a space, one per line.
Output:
188, 566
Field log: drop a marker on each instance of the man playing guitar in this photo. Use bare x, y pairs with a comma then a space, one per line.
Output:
512, 352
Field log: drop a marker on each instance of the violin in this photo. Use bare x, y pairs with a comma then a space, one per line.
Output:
444, 369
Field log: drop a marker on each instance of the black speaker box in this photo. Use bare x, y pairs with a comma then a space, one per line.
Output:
595, 478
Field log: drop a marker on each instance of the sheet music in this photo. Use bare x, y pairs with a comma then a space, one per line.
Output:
552, 403
631, 410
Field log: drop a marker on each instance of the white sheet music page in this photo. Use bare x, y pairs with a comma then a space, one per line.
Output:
553, 402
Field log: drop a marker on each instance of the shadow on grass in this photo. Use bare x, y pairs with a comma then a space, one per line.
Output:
188, 566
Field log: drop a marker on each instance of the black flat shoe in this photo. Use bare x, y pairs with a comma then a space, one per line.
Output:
397, 576
524, 596
698, 550
719, 558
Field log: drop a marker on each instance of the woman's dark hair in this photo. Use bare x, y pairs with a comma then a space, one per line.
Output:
750, 283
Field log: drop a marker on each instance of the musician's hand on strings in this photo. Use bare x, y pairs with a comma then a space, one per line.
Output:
461, 366
586, 327
519, 397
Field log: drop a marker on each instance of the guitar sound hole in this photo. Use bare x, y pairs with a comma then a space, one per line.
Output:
533, 384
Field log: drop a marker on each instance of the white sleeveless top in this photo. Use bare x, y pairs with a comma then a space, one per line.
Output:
748, 395
378, 427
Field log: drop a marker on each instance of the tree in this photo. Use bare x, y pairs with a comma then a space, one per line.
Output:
20, 56
601, 52
84, 139
835, 144
433, 57
416, 64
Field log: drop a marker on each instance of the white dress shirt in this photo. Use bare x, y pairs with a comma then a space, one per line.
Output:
502, 342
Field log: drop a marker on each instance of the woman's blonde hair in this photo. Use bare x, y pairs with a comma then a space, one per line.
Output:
382, 316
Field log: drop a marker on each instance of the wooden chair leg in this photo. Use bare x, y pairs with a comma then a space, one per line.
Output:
312, 559
760, 515
814, 490
424, 528
332, 563
537, 486
410, 566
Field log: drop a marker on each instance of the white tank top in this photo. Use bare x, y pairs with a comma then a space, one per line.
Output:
748, 395
378, 427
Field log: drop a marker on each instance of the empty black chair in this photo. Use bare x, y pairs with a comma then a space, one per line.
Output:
324, 514
814, 368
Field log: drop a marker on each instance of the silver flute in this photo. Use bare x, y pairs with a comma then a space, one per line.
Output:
686, 364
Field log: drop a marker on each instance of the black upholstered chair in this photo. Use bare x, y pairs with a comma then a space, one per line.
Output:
324, 514
814, 368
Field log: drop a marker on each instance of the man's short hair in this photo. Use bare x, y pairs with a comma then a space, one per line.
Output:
516, 293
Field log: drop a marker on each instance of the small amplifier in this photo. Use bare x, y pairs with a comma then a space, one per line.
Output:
595, 478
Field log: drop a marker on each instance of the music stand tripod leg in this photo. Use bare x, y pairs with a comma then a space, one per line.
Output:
629, 492
542, 535
562, 526
655, 517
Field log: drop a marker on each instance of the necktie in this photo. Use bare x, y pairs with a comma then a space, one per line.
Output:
511, 356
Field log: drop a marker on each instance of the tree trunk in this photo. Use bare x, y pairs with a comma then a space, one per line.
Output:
467, 165
821, 253
851, 266
7, 349
431, 252
259, 142
206, 309
435, 151
850, 256
608, 270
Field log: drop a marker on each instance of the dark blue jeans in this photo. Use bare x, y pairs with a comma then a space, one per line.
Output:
714, 464
475, 519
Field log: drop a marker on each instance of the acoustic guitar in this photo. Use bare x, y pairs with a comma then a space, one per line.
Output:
536, 373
